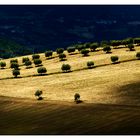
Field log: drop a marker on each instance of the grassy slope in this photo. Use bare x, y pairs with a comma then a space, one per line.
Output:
112, 90
98, 85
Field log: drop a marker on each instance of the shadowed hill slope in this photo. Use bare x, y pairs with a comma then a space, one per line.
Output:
31, 117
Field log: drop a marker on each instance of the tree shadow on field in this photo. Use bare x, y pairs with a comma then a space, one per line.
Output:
48, 58
118, 62
130, 93
29, 67
73, 53
64, 59
43, 74
108, 52
85, 55
130, 50
39, 65
2, 68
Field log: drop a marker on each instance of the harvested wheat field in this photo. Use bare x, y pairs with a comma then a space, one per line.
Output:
110, 95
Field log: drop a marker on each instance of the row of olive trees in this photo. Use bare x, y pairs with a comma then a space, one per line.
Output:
42, 70
36, 60
90, 64
15, 67
106, 45
82, 50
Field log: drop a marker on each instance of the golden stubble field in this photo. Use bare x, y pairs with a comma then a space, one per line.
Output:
106, 84
111, 95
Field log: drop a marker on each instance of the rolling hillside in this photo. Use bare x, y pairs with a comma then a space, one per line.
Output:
110, 95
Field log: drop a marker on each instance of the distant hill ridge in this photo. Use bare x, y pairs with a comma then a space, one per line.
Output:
39, 28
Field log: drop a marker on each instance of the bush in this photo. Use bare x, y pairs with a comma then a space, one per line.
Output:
28, 63
90, 64
59, 50
38, 94
114, 58
71, 49
107, 49
62, 56
85, 52
14, 65
131, 47
94, 46
65, 67
16, 73
35, 56
37, 62
14, 61
138, 55
24, 59
3, 64
77, 97
48, 53
41, 70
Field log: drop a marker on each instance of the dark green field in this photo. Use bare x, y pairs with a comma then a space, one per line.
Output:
24, 116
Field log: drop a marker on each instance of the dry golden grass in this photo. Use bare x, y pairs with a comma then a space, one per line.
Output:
97, 85
111, 95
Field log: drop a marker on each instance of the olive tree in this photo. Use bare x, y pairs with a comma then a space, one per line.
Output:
62, 57
28, 63
38, 94
131, 47
14, 61
138, 55
14, 65
59, 50
115, 43
137, 41
66, 67
48, 54
80, 47
127, 41
124, 42
35, 56
84, 52
104, 43
94, 46
16, 73
77, 98
107, 49
24, 59
41, 70
71, 49
3, 64
90, 64
114, 59
37, 62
